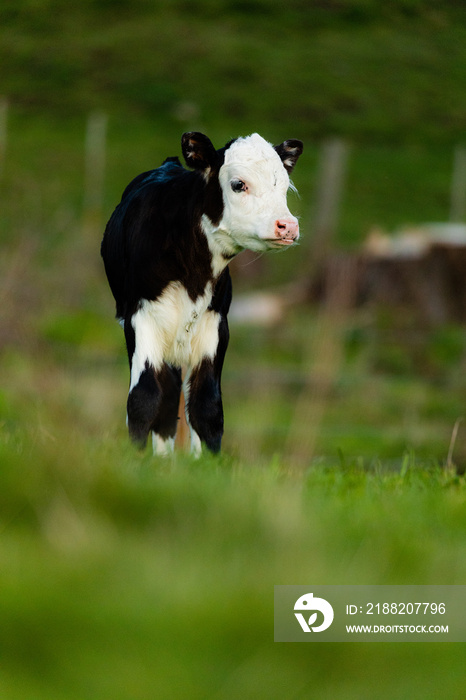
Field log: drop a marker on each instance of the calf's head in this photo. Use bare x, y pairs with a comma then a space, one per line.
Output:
251, 179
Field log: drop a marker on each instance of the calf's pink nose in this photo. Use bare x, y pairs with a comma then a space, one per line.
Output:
287, 229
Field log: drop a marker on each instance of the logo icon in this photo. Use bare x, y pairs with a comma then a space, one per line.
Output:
308, 603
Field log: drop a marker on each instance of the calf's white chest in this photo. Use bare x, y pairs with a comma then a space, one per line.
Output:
174, 329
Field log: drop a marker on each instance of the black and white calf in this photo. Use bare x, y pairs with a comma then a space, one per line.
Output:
166, 250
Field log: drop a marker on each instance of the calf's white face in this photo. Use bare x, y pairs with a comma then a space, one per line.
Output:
254, 181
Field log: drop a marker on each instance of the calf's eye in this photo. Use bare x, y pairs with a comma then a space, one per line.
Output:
238, 186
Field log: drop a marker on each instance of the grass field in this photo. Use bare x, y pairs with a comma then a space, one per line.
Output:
127, 577
391, 72
124, 577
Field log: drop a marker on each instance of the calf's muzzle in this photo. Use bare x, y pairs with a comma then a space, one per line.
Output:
287, 230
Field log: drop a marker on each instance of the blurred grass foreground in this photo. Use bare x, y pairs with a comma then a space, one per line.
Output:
128, 577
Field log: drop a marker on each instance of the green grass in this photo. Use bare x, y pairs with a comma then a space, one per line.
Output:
124, 576
391, 71
128, 577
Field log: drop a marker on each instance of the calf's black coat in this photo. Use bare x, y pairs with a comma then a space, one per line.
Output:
154, 238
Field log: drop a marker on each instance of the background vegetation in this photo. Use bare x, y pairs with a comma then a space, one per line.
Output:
126, 577
357, 67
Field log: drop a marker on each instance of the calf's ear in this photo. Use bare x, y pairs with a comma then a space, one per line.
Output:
289, 151
198, 150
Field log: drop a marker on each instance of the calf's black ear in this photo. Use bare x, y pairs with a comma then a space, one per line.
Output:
289, 151
198, 150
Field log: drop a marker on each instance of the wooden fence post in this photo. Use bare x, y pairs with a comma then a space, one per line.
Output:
3, 133
95, 147
323, 360
458, 185
330, 182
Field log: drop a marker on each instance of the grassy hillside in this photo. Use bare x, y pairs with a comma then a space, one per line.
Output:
385, 71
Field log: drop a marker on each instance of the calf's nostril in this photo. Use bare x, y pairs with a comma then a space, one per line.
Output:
286, 229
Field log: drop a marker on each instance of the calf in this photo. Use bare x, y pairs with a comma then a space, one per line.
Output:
166, 251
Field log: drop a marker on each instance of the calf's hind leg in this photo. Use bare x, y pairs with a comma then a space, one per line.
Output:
166, 422
153, 406
155, 387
